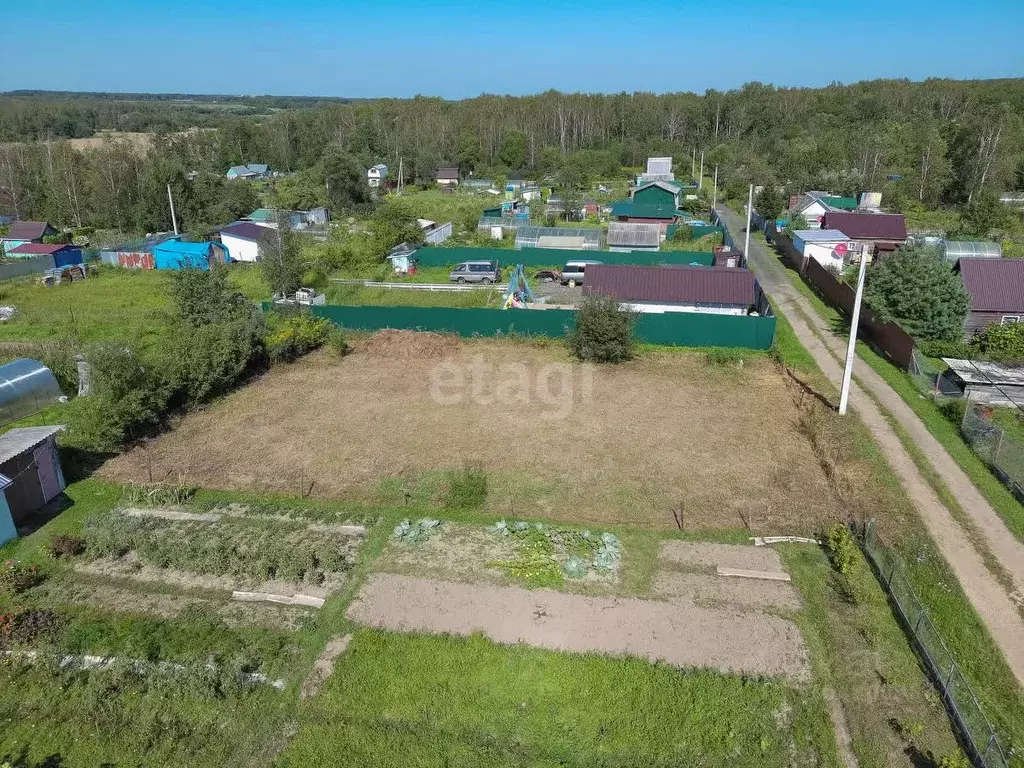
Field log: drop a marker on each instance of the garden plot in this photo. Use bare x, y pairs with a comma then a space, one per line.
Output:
506, 553
696, 571
258, 555
720, 445
110, 595
678, 632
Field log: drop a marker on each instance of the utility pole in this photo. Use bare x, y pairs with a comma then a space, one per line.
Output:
400, 175
714, 192
851, 347
700, 183
174, 219
693, 163
750, 212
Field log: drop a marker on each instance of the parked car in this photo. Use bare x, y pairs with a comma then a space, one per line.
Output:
485, 272
573, 271
547, 275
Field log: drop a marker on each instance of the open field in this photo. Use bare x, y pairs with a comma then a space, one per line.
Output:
620, 445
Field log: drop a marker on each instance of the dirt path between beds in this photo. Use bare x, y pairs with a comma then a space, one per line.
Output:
677, 631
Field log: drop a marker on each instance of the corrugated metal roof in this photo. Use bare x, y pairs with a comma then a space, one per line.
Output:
634, 234
979, 372
867, 226
643, 210
820, 235
245, 230
672, 285
995, 285
38, 249
447, 174
842, 203
17, 441
26, 230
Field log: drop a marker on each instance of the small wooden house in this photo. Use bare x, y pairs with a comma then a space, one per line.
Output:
30, 475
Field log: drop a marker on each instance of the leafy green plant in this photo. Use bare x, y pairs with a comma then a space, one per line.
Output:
16, 577
467, 488
418, 532
724, 356
841, 548
603, 332
159, 495
294, 334
337, 342
547, 554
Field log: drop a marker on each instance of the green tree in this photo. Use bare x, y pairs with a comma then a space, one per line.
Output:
603, 332
982, 215
916, 289
513, 150
345, 181
281, 259
770, 203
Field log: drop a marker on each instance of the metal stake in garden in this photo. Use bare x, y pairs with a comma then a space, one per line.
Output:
851, 347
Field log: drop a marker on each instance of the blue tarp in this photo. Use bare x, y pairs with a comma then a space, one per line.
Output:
175, 254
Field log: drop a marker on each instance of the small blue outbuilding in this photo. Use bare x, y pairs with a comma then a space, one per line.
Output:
177, 254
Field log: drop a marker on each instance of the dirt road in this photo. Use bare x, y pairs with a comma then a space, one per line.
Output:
987, 596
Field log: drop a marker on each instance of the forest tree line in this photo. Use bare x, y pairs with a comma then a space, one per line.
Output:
934, 143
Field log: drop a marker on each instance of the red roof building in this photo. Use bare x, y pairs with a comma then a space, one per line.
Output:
997, 291
719, 290
883, 231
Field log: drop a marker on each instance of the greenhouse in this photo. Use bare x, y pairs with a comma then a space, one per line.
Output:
579, 238
962, 249
26, 387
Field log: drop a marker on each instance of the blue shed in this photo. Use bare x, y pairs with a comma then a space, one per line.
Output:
176, 254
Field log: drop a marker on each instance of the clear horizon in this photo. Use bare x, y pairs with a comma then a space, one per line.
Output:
452, 50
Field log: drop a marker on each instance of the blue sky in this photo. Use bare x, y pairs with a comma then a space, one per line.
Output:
458, 48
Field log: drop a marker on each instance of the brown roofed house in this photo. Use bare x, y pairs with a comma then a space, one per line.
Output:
717, 290
447, 177
885, 232
997, 291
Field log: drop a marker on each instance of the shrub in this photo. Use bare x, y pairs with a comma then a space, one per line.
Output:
27, 625
295, 334
17, 577
65, 545
467, 489
337, 342
126, 400
953, 409
209, 359
941, 348
684, 234
841, 548
603, 332
1002, 343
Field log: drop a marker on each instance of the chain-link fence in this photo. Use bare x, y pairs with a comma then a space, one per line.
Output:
930, 379
979, 738
1003, 453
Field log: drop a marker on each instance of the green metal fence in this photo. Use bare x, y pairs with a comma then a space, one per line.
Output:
543, 257
979, 738
686, 329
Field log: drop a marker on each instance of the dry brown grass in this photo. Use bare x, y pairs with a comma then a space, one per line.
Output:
659, 433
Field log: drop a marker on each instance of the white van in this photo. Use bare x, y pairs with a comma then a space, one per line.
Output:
573, 271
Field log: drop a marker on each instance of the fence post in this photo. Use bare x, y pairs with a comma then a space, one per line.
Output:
999, 446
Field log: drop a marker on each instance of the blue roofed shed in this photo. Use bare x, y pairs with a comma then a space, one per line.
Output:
176, 254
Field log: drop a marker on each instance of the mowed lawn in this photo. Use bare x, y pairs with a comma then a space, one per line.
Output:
406, 700
624, 445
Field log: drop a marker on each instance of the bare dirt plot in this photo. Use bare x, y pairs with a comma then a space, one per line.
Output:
323, 666
625, 446
680, 633
718, 590
700, 555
